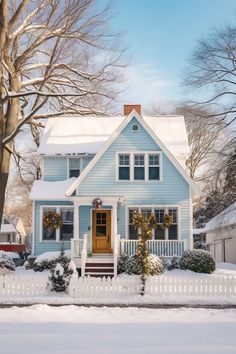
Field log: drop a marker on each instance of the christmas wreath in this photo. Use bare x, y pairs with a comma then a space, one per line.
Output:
167, 221
52, 220
97, 203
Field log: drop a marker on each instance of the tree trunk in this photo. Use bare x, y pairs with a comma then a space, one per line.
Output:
4, 173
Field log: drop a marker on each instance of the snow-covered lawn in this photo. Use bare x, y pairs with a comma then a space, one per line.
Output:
41, 329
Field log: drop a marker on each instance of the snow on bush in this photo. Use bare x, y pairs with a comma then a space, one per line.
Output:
47, 260
197, 260
61, 272
133, 265
122, 263
6, 262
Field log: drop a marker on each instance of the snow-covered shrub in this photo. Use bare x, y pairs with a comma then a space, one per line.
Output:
6, 262
134, 265
61, 272
44, 265
174, 263
199, 261
121, 266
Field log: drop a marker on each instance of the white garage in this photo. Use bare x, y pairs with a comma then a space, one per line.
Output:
221, 235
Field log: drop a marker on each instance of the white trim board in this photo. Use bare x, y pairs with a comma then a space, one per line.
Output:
117, 132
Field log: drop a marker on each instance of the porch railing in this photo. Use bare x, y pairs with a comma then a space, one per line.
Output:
166, 248
84, 255
76, 248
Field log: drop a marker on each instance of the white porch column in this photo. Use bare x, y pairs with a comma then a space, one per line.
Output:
76, 221
114, 223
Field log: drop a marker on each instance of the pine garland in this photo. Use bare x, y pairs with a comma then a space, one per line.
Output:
52, 220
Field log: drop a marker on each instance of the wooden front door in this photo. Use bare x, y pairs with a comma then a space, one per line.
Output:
101, 231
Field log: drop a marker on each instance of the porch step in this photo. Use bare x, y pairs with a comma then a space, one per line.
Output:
99, 268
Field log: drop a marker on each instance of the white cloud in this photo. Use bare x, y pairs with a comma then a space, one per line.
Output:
145, 84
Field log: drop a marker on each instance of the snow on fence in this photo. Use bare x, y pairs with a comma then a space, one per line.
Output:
89, 287
20, 286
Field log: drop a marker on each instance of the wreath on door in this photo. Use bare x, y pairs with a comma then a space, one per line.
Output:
97, 203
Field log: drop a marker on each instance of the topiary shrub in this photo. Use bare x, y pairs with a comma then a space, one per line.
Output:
154, 265
197, 260
121, 266
6, 263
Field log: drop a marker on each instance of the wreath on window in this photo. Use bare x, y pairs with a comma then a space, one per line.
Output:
97, 203
52, 220
167, 221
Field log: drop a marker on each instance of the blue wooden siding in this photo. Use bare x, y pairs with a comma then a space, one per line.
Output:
45, 246
101, 180
56, 169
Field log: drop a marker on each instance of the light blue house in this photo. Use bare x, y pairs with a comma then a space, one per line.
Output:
97, 171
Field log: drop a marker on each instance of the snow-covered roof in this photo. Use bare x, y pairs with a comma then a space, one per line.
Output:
7, 228
81, 135
56, 190
226, 218
198, 231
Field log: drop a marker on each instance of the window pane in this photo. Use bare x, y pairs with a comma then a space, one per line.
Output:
159, 233
173, 232
67, 215
153, 173
146, 213
124, 173
101, 230
124, 160
173, 213
131, 215
159, 215
133, 232
74, 173
139, 160
66, 232
153, 160
101, 218
49, 234
139, 173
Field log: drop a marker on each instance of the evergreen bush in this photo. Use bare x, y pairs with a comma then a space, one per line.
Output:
134, 265
121, 266
61, 272
44, 265
197, 260
6, 263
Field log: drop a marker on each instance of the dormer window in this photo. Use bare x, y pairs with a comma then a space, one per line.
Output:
74, 167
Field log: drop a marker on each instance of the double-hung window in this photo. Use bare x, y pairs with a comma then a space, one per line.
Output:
154, 167
124, 166
159, 232
139, 167
65, 231
133, 230
74, 167
173, 229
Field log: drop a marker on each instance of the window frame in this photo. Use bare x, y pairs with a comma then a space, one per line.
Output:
80, 165
58, 230
132, 166
153, 207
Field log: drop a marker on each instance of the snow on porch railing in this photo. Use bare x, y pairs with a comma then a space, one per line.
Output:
167, 248
159, 286
84, 254
21, 286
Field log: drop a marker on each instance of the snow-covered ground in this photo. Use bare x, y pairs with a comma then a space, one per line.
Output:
41, 329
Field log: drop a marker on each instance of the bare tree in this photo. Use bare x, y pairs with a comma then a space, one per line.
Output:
212, 71
205, 139
56, 58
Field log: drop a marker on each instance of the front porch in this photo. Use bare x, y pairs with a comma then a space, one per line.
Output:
162, 248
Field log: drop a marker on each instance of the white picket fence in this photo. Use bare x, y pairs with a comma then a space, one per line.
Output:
21, 286
158, 286
101, 288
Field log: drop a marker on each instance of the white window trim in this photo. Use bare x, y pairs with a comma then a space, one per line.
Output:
68, 165
57, 207
146, 166
153, 207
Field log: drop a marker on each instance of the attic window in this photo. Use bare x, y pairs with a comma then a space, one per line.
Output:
135, 128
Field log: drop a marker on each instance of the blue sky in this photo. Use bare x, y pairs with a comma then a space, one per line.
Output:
160, 35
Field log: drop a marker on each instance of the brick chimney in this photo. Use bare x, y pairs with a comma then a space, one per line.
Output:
128, 108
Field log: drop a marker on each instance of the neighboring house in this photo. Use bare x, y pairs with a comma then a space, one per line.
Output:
128, 163
12, 231
199, 238
221, 235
